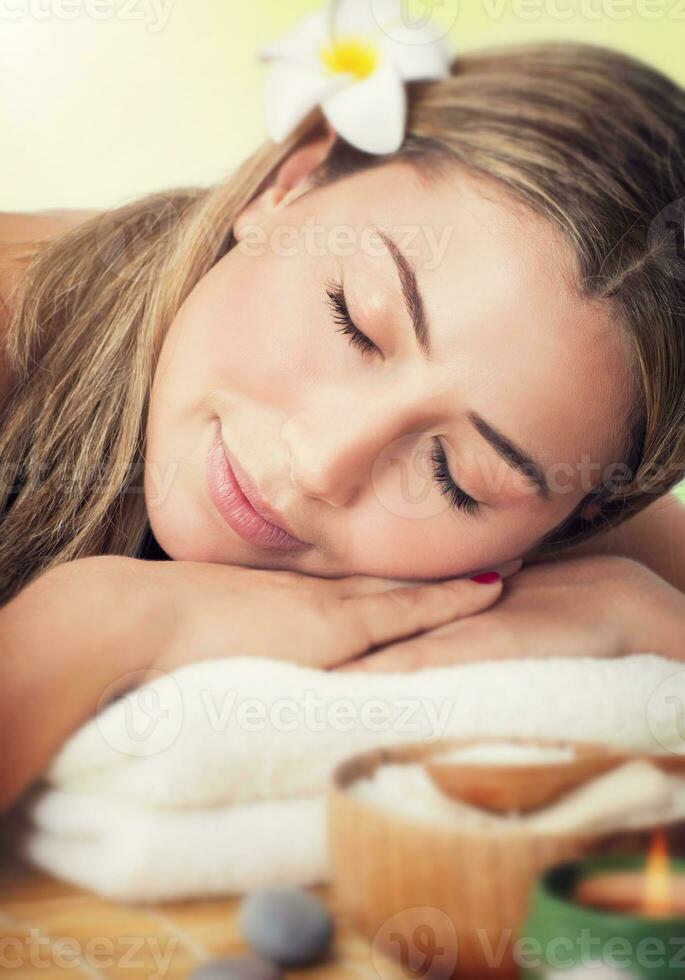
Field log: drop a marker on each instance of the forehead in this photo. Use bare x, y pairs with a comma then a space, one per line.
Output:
548, 366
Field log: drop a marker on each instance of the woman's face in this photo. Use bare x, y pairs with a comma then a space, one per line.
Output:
474, 354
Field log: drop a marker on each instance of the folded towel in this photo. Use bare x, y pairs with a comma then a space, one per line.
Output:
212, 779
136, 853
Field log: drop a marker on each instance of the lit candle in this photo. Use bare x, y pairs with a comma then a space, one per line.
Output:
608, 916
652, 893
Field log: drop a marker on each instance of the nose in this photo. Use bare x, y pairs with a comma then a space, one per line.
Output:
334, 446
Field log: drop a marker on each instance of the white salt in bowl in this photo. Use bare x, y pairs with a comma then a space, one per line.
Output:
407, 881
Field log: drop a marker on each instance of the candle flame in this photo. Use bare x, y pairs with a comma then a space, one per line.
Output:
657, 897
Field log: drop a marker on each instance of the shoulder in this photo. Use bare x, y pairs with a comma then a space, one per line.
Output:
18, 228
18, 231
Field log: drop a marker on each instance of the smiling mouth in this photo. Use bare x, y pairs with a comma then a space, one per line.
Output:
240, 504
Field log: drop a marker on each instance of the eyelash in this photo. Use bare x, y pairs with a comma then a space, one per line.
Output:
347, 326
441, 473
458, 499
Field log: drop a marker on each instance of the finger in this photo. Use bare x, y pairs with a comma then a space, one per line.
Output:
433, 649
382, 617
350, 585
358, 585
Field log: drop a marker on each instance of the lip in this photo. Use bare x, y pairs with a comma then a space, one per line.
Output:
240, 503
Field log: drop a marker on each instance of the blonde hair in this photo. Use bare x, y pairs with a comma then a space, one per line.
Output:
590, 138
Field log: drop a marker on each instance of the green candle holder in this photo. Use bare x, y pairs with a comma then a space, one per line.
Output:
563, 939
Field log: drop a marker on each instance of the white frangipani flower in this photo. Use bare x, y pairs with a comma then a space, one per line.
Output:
353, 59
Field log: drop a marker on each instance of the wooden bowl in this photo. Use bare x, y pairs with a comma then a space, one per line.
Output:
421, 887
502, 787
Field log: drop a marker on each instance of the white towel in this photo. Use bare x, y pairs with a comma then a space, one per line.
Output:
212, 780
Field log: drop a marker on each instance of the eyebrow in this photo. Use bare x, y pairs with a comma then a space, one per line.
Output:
410, 292
513, 455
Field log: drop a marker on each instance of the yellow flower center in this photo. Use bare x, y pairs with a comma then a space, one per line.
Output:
350, 56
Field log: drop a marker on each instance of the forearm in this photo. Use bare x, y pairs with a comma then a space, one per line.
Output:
655, 537
68, 640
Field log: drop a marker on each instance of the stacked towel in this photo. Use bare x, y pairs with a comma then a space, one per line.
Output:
212, 779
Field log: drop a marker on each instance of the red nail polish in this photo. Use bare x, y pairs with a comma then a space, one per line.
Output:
486, 578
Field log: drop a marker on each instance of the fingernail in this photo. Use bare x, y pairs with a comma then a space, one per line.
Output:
486, 578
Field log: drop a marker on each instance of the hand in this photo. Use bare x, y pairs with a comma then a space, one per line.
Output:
591, 607
225, 610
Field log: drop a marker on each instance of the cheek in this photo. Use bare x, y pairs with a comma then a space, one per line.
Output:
256, 329
246, 344
379, 543
381, 538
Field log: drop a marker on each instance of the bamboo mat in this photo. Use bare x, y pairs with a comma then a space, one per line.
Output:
49, 929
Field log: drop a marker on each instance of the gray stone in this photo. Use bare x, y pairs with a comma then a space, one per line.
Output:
237, 968
288, 925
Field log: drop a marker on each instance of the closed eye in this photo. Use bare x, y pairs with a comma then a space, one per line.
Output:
347, 326
458, 498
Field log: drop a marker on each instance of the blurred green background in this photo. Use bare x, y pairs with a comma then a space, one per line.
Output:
104, 100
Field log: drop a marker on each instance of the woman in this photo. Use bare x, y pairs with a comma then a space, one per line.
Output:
334, 373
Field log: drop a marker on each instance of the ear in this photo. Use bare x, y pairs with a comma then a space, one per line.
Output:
289, 182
